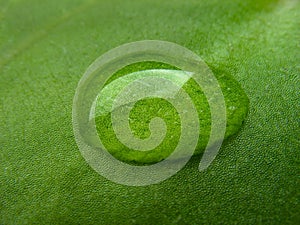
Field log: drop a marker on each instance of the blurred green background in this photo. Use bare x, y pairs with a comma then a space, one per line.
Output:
47, 45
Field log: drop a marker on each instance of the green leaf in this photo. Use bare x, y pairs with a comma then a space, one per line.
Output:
47, 45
